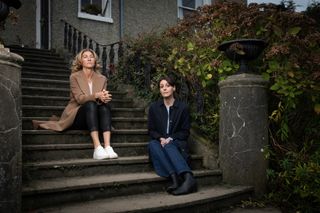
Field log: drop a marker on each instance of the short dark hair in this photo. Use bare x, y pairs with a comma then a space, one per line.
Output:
169, 79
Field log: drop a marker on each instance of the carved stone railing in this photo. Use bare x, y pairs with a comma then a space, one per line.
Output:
75, 41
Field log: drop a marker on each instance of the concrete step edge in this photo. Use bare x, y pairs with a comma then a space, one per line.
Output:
216, 195
48, 147
45, 64
124, 119
36, 80
123, 100
122, 109
82, 132
91, 162
60, 89
65, 75
78, 183
63, 70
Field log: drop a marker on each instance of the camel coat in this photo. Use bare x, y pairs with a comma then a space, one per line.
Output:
79, 94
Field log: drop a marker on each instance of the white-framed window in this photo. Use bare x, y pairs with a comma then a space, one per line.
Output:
301, 5
99, 10
188, 6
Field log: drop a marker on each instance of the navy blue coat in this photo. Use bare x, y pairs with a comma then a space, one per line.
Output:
179, 123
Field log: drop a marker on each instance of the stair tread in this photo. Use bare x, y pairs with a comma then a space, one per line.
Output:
71, 183
113, 118
90, 161
130, 109
58, 89
68, 98
63, 70
83, 132
77, 146
35, 73
45, 80
153, 202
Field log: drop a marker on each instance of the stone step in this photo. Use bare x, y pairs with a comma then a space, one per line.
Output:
44, 64
58, 191
50, 83
37, 137
90, 167
208, 199
63, 101
51, 152
45, 75
27, 50
48, 111
31, 57
117, 122
46, 70
61, 92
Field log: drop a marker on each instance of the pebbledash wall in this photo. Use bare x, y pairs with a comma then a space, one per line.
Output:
149, 16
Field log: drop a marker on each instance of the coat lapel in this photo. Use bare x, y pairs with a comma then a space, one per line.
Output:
98, 83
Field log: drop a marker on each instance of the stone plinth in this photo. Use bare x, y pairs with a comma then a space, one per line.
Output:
10, 131
243, 130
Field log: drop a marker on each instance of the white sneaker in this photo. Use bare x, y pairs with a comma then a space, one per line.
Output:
99, 153
110, 152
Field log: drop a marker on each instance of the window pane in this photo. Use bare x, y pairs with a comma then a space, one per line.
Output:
91, 6
187, 12
97, 2
84, 2
189, 3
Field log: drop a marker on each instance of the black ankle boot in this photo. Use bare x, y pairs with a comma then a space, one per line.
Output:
189, 185
175, 183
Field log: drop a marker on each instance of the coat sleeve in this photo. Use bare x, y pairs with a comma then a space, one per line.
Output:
183, 131
152, 130
78, 94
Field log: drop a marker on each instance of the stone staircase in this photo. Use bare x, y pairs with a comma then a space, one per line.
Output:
59, 174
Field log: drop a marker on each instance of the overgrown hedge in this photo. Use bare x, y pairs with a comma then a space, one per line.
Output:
291, 63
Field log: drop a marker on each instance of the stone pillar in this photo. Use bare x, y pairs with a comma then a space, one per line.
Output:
243, 131
10, 131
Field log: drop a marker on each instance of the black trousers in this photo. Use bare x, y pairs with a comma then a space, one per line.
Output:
93, 117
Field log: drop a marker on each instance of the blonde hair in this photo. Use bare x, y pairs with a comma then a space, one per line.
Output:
77, 62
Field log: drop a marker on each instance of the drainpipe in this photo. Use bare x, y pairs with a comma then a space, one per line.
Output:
121, 18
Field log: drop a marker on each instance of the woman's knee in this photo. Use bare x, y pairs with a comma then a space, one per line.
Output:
104, 109
90, 105
154, 145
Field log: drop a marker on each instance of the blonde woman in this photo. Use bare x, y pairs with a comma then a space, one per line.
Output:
88, 108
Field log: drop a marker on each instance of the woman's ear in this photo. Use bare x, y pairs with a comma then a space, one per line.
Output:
174, 88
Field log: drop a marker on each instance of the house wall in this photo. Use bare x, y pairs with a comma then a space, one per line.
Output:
148, 16
24, 32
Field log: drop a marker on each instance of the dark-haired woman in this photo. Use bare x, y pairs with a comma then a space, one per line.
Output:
169, 127
88, 108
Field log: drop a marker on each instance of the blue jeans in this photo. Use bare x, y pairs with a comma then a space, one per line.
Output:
168, 159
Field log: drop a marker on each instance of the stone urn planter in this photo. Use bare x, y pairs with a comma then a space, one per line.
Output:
242, 51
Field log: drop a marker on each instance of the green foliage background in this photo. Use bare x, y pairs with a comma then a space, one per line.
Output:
291, 63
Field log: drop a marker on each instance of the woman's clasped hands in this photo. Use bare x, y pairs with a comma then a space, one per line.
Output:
165, 141
104, 96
